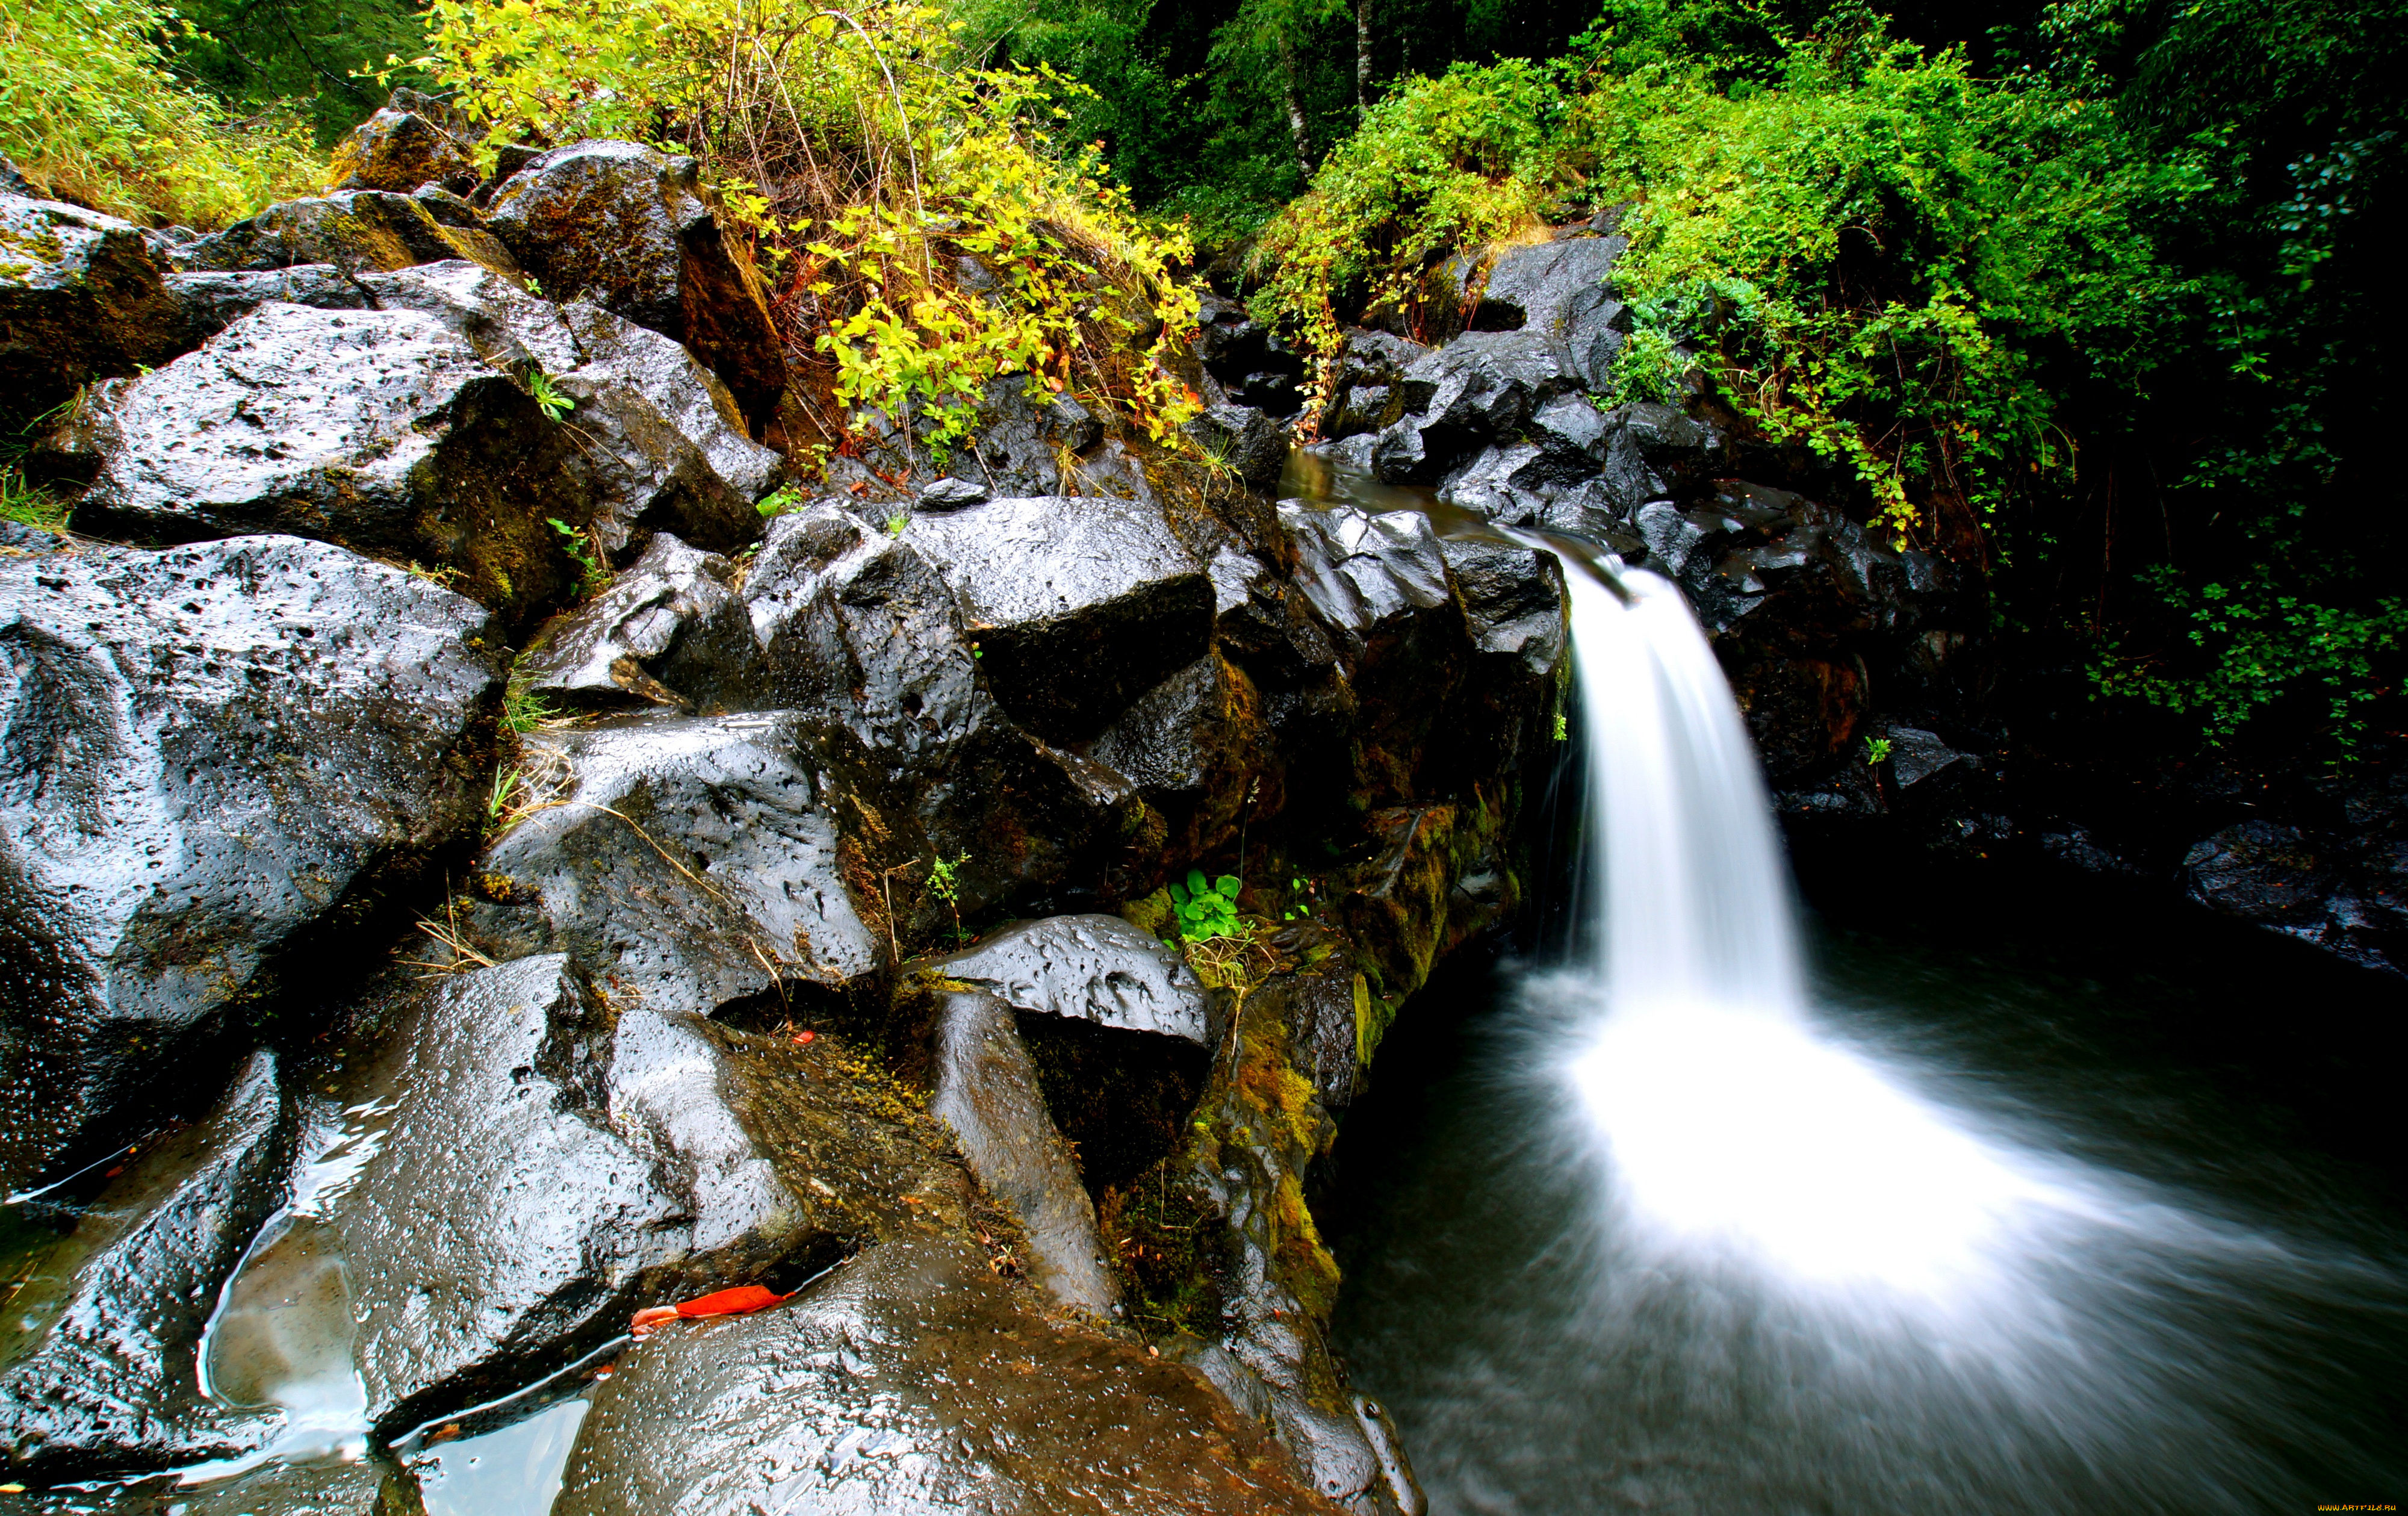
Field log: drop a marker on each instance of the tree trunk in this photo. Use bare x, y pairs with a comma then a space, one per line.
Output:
1295, 107
1362, 56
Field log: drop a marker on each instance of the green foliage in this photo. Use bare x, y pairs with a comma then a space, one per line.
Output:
502, 797
1206, 909
594, 569
944, 883
896, 525
91, 110
306, 57
28, 505
524, 710
923, 230
784, 498
1562, 728
1877, 750
548, 398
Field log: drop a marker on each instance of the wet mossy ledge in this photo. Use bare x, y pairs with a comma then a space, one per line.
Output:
452, 732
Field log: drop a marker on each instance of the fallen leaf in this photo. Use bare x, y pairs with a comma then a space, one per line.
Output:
735, 1302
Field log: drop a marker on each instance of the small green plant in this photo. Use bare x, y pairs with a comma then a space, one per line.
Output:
548, 398
1206, 909
507, 783
944, 883
784, 498
580, 546
533, 285
1876, 750
1301, 905
443, 576
895, 525
27, 505
1563, 728
523, 710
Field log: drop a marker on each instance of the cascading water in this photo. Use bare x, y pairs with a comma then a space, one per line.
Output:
1685, 1246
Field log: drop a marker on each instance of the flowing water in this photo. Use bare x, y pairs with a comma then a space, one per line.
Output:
1670, 1224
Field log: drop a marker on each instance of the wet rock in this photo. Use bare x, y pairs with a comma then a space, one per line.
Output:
213, 752
669, 631
986, 1091
210, 303
953, 495
382, 430
912, 1380
354, 230
1326, 1009
865, 638
1244, 439
1077, 604
81, 299
1246, 359
693, 862
1482, 387
1558, 291
2262, 872
1366, 574
1514, 599
399, 149
1098, 969
1194, 744
1916, 755
633, 230
97, 1371
664, 444
1367, 384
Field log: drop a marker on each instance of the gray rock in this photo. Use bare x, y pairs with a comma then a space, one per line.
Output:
210, 750
81, 299
1514, 599
210, 303
1366, 573
953, 495
1245, 438
664, 445
634, 232
1077, 604
986, 1091
2262, 872
1916, 755
692, 861
382, 430
864, 638
354, 230
1367, 382
913, 1345
1558, 289
397, 149
1189, 739
670, 630
1098, 969
102, 1378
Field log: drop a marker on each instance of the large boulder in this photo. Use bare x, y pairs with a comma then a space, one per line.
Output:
864, 636
217, 757
663, 444
1197, 748
693, 862
986, 1090
210, 303
1094, 968
633, 230
1246, 440
1558, 291
382, 430
97, 1367
913, 1381
81, 299
1077, 604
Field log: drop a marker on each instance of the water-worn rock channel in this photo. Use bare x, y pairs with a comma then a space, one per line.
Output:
488, 851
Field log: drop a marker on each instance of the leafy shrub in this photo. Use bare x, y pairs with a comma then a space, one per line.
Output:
90, 112
1206, 909
921, 230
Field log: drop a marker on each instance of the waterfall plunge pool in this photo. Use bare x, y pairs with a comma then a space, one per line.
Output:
2050, 1206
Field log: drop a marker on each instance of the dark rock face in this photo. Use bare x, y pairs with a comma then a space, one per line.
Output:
1077, 604
691, 861
107, 1383
81, 299
1245, 361
2346, 896
670, 631
986, 1091
390, 434
210, 750
210, 303
808, 1406
1557, 289
1367, 387
397, 149
1098, 969
1189, 744
622, 225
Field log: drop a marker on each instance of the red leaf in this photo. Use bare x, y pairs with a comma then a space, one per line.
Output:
735, 1302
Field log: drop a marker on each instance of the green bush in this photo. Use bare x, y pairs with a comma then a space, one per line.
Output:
91, 112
